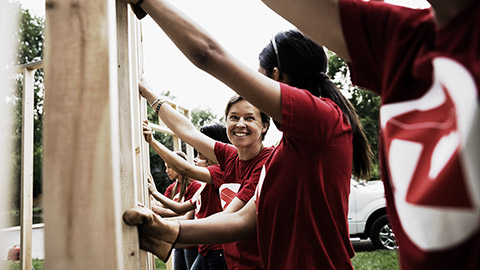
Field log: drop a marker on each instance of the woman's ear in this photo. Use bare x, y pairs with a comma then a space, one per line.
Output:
276, 74
265, 127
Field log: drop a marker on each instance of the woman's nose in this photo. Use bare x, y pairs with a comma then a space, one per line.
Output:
241, 122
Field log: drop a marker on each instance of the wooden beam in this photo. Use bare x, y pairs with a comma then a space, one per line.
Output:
142, 157
81, 145
27, 170
29, 66
127, 79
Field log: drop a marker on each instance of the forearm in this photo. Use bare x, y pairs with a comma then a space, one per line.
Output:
164, 212
178, 208
194, 42
180, 165
221, 228
207, 54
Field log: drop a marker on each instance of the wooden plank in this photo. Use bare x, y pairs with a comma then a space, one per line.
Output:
128, 176
27, 170
30, 66
81, 145
139, 114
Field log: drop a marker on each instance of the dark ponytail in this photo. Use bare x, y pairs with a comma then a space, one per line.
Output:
184, 184
305, 63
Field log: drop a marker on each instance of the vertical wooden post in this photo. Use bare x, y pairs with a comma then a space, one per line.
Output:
139, 113
81, 145
127, 80
27, 170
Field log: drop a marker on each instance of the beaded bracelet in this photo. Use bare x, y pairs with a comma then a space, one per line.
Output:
160, 103
155, 102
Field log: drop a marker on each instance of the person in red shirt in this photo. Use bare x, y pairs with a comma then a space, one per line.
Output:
425, 66
205, 202
181, 190
241, 162
301, 206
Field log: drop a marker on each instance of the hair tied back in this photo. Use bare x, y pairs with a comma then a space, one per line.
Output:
323, 76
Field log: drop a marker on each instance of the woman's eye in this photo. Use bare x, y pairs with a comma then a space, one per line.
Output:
250, 118
233, 117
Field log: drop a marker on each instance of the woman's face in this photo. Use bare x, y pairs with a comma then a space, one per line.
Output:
171, 173
201, 160
244, 124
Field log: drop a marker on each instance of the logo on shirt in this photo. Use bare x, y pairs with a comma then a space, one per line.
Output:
432, 147
197, 198
258, 190
228, 193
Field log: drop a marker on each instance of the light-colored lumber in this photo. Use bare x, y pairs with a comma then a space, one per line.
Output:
27, 170
127, 79
81, 145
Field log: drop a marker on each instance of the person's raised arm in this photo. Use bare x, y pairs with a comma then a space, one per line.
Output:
207, 54
318, 19
179, 124
178, 208
178, 164
157, 235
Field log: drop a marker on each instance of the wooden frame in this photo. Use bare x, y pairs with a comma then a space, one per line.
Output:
26, 190
95, 159
81, 145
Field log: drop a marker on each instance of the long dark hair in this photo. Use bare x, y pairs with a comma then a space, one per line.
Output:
183, 185
305, 63
216, 131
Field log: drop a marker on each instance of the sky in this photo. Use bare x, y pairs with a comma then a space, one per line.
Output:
242, 27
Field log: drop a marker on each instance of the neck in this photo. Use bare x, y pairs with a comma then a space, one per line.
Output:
447, 10
247, 153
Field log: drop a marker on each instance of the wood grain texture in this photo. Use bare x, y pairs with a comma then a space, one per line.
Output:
27, 170
81, 145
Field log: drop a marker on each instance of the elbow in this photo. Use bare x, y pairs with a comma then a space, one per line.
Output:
183, 170
207, 56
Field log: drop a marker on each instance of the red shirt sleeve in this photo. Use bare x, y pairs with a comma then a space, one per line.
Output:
248, 189
216, 174
223, 152
250, 185
308, 121
377, 35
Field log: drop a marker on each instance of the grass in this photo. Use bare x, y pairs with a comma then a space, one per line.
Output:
11, 265
366, 260
159, 265
376, 260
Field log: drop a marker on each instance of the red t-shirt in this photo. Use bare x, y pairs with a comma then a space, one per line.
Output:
302, 197
191, 189
242, 254
428, 78
208, 203
169, 190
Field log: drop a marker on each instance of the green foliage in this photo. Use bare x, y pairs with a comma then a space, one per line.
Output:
37, 264
365, 102
201, 117
376, 260
30, 38
159, 265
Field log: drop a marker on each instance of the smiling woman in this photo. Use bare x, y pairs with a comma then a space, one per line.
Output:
246, 127
241, 163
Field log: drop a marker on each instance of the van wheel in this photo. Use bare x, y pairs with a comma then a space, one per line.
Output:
382, 235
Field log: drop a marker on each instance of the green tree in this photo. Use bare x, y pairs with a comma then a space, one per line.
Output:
365, 102
201, 117
30, 36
